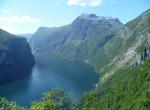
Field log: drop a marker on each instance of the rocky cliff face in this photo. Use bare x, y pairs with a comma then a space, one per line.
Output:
16, 59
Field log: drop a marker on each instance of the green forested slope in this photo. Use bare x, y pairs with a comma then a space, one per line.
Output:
128, 89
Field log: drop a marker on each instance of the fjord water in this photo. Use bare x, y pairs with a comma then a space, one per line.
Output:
74, 77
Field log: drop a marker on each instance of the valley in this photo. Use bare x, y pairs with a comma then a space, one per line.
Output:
99, 62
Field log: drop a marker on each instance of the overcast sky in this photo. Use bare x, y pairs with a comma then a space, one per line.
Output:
25, 16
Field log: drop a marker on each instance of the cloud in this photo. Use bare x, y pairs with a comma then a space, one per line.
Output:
90, 3
16, 19
5, 11
19, 24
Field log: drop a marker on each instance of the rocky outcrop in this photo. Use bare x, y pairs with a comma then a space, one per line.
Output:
142, 57
145, 54
16, 59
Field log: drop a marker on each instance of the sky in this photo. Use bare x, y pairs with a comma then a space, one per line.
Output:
26, 16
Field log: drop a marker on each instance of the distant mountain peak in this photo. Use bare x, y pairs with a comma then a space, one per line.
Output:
93, 16
85, 15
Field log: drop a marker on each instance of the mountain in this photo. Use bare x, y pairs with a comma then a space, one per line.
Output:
120, 53
136, 39
126, 80
125, 77
88, 38
16, 59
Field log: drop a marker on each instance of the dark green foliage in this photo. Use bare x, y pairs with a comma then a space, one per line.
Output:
5, 105
128, 89
87, 100
54, 100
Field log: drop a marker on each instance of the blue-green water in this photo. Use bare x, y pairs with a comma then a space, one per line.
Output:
73, 76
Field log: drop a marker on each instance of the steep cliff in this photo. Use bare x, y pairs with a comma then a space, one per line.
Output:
16, 59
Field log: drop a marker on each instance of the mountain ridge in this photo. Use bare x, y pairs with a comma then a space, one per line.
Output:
16, 59
71, 41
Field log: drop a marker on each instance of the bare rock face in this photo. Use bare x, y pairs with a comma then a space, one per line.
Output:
16, 59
